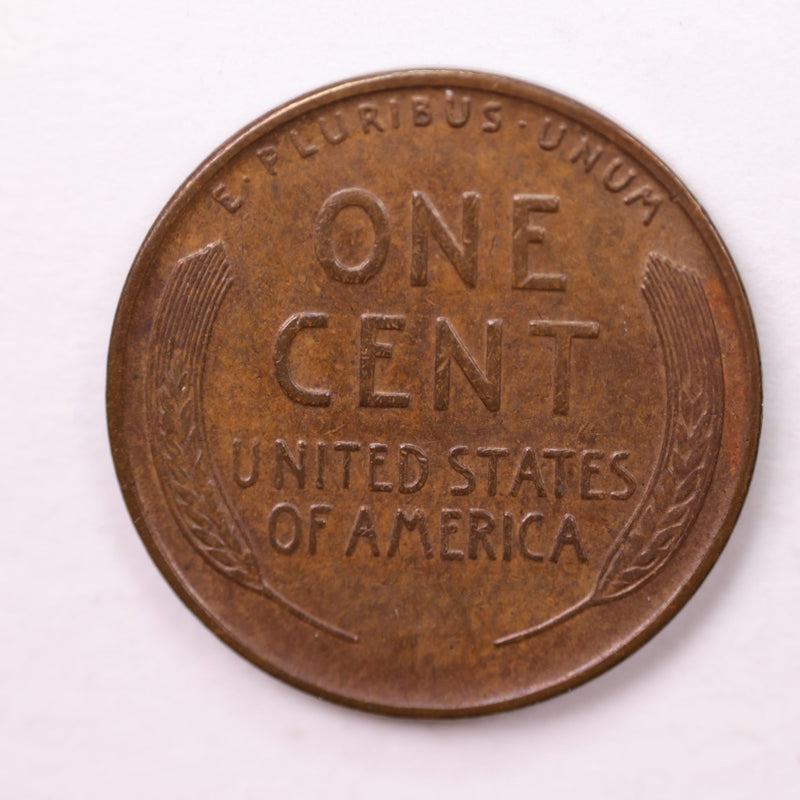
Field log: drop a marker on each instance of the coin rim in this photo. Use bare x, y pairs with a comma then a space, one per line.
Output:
115, 391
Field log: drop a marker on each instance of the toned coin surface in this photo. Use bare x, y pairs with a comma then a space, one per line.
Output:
434, 393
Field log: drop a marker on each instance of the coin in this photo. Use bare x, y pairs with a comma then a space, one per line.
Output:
434, 393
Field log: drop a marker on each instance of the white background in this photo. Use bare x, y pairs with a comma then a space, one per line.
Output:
109, 687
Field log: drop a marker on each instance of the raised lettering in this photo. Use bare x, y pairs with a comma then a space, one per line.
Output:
650, 200
492, 454
525, 234
410, 486
450, 346
369, 117
281, 545
461, 469
491, 112
230, 203
568, 535
268, 156
394, 112
304, 149
421, 111
363, 528
527, 521
508, 529
425, 220
612, 181
330, 135
297, 466
241, 480
283, 370
321, 447
377, 457
416, 521
323, 235
318, 522
589, 467
456, 117
563, 333
548, 141
371, 350
560, 479
589, 152
346, 448
621, 472
481, 524
449, 527
528, 471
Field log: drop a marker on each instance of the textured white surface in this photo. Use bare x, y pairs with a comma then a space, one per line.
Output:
109, 687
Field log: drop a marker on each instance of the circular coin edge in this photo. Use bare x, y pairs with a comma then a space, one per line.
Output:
115, 395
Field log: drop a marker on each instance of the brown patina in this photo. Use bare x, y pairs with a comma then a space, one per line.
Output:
434, 393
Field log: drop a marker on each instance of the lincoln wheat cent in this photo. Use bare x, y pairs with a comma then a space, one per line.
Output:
434, 393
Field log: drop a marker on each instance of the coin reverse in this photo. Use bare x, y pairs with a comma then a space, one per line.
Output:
434, 393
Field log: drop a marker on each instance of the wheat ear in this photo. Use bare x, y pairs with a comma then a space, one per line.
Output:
181, 332
680, 482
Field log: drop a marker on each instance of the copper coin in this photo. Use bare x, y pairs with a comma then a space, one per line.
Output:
434, 393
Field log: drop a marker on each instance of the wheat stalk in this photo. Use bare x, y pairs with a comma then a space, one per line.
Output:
193, 490
197, 505
695, 400
694, 425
